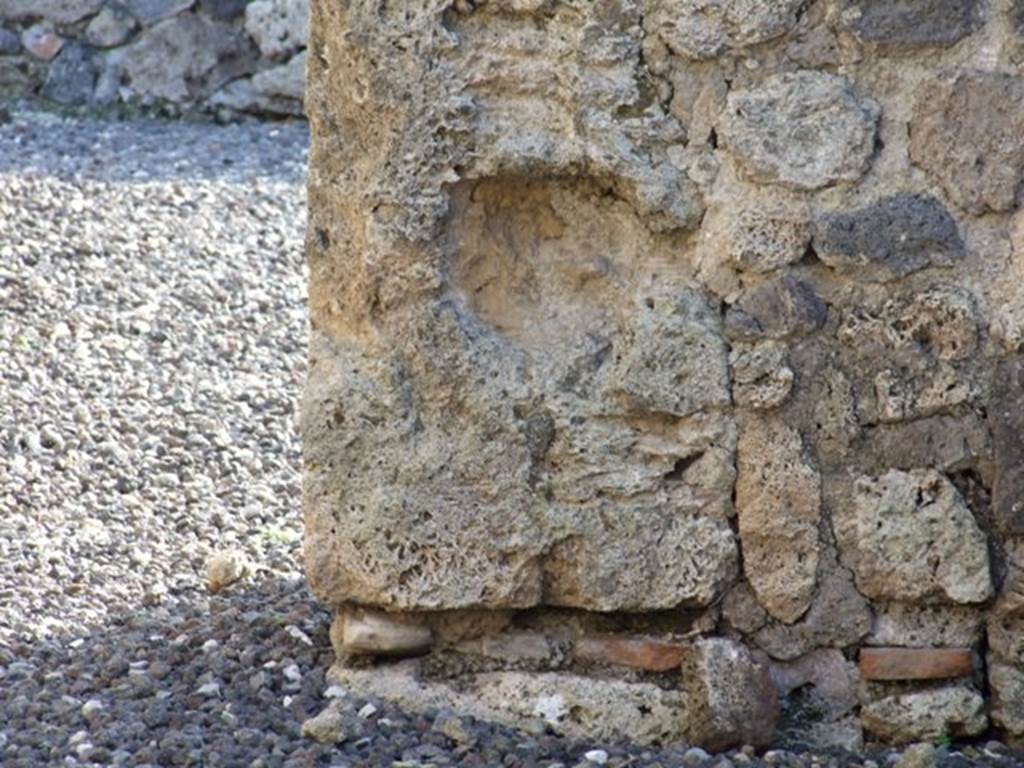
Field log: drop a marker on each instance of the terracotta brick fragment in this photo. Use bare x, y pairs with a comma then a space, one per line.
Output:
915, 663
639, 652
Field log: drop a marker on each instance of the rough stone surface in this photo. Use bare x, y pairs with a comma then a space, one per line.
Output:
761, 374
778, 309
635, 323
149, 12
731, 700
889, 239
56, 11
72, 76
708, 28
778, 503
184, 57
42, 41
912, 22
921, 626
952, 711
112, 26
581, 707
909, 536
279, 27
1007, 426
963, 133
804, 130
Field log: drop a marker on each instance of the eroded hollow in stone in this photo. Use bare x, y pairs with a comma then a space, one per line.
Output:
546, 263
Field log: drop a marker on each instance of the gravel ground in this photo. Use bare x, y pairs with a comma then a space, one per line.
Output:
152, 333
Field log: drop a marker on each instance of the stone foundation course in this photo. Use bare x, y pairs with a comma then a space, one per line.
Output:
667, 364
207, 56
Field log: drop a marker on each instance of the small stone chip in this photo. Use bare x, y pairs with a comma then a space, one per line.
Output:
225, 569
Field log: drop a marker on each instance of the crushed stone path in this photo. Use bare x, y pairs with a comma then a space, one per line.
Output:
152, 352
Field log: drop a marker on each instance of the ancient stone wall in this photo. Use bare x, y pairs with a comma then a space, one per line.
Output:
666, 369
222, 56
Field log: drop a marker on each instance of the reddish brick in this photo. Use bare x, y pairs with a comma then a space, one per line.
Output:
640, 652
915, 663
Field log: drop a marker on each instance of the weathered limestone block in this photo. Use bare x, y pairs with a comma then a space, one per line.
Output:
964, 133
705, 29
803, 130
952, 711
889, 239
778, 502
731, 699
912, 22
910, 536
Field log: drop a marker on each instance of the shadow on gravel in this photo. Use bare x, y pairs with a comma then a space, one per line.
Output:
39, 143
205, 680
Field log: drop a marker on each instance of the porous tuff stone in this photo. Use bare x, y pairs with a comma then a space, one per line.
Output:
778, 502
518, 410
912, 22
952, 711
803, 130
705, 29
964, 132
567, 259
910, 536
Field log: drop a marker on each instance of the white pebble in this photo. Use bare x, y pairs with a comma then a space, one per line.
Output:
367, 711
597, 756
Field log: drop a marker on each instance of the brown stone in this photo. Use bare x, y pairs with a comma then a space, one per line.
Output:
915, 663
640, 652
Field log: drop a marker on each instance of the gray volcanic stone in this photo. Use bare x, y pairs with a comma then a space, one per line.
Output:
149, 12
1007, 428
803, 130
184, 57
54, 11
223, 10
889, 239
966, 134
704, 29
72, 76
913, 22
279, 27
10, 42
111, 27
778, 309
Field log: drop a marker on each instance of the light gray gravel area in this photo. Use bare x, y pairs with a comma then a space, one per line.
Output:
152, 354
